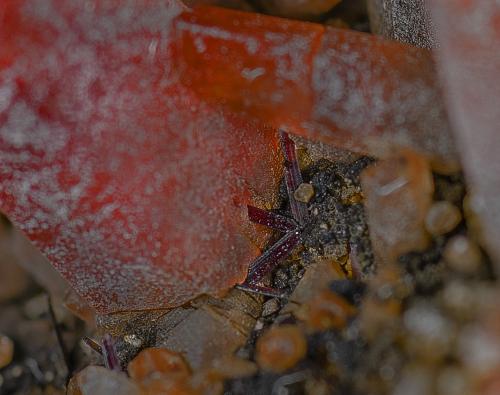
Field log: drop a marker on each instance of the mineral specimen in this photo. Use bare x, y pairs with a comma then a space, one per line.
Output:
128, 155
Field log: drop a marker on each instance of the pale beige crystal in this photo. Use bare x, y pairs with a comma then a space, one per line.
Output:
398, 194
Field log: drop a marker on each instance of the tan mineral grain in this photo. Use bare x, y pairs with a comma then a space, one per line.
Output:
398, 195
442, 218
280, 348
304, 192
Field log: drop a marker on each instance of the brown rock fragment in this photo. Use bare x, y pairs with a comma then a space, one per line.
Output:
280, 348
202, 336
206, 330
216, 327
398, 194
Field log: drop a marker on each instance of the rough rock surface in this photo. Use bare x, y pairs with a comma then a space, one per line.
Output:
408, 21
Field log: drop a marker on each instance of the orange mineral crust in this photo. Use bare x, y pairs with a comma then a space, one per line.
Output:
133, 188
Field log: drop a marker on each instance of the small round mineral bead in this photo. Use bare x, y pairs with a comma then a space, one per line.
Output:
442, 218
280, 348
462, 254
327, 311
304, 193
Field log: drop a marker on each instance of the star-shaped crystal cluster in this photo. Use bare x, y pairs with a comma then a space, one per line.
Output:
291, 227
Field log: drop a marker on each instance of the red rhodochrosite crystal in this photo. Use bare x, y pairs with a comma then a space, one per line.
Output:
350, 89
135, 190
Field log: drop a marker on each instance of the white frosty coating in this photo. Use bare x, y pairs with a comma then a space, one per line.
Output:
129, 185
23, 129
289, 50
469, 59
375, 105
250, 43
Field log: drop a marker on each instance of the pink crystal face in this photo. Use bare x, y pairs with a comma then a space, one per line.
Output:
469, 60
133, 188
